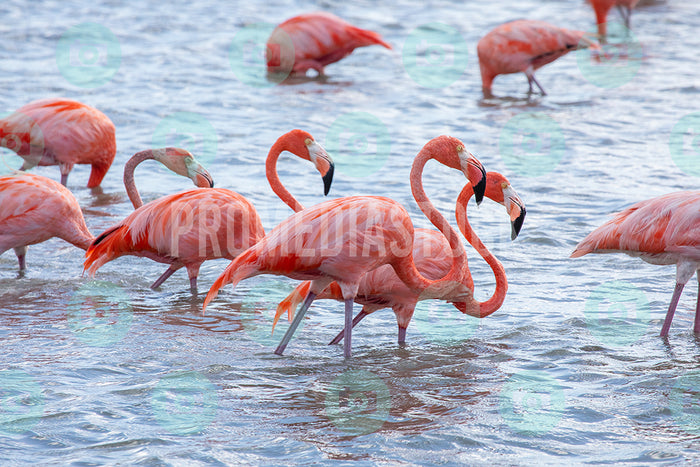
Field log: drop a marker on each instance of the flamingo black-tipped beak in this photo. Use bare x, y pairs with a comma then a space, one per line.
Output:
480, 187
517, 223
328, 178
204, 179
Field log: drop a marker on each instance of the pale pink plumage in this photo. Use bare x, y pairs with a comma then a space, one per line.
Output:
61, 132
663, 230
524, 46
317, 40
34, 209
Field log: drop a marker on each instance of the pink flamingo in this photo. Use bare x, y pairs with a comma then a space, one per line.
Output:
34, 209
188, 228
602, 7
61, 132
381, 288
661, 230
524, 46
317, 40
340, 240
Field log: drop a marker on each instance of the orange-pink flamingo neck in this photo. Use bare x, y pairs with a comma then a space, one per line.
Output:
177, 160
303, 145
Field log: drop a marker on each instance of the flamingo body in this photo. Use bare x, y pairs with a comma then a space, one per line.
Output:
61, 132
602, 7
34, 209
318, 39
663, 230
523, 46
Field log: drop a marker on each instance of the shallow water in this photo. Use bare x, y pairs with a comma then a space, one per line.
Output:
569, 370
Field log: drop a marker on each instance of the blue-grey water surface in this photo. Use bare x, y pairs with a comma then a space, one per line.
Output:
569, 371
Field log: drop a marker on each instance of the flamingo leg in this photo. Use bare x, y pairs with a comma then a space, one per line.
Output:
672, 309
360, 316
402, 335
696, 327
347, 350
530, 73
193, 285
169, 272
21, 252
295, 323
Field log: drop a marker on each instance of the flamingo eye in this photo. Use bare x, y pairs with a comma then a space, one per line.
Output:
308, 141
504, 185
460, 148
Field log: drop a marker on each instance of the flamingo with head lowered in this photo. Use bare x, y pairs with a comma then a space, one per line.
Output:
188, 228
61, 132
381, 288
342, 239
662, 230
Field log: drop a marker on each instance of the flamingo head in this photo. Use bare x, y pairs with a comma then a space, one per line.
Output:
302, 144
499, 190
451, 152
183, 163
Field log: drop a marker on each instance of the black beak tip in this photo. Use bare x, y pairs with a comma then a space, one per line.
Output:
479, 190
328, 180
517, 224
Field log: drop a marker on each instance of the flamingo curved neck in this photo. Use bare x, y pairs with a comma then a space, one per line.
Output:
274, 179
499, 294
129, 168
437, 219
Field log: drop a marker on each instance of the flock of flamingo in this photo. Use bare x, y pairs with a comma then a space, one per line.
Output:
353, 249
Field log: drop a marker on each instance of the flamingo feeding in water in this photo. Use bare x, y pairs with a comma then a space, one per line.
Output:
188, 228
524, 46
381, 288
342, 239
602, 7
313, 41
34, 209
61, 132
661, 230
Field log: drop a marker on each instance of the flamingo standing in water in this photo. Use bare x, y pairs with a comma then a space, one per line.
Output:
34, 209
61, 132
661, 230
524, 46
340, 240
381, 288
317, 40
188, 228
602, 7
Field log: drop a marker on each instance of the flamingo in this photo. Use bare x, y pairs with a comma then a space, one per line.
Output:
524, 46
661, 230
34, 209
602, 7
188, 228
61, 132
341, 239
318, 39
381, 288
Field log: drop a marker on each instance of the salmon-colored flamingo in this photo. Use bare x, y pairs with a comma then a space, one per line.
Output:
340, 240
524, 46
34, 209
188, 228
602, 7
661, 230
61, 132
381, 288
317, 39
